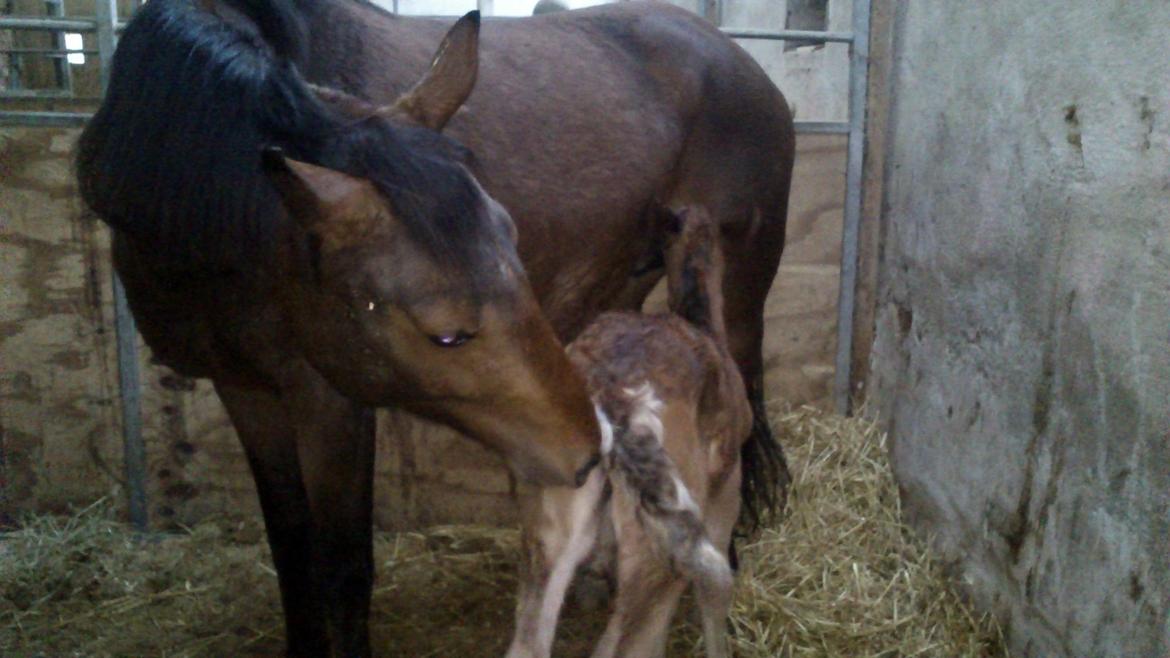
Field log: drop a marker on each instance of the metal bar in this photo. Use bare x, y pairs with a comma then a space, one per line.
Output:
822, 127
107, 20
35, 93
858, 86
47, 51
61, 65
133, 445
56, 24
788, 35
44, 119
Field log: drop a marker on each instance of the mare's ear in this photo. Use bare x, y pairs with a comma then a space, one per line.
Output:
444, 88
322, 199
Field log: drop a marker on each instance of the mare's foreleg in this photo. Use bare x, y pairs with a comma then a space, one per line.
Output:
752, 257
311, 452
270, 445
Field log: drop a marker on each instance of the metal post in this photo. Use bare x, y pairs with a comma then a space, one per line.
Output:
787, 35
858, 84
133, 446
61, 63
106, 16
712, 10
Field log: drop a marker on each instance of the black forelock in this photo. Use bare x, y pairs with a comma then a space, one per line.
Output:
421, 175
173, 156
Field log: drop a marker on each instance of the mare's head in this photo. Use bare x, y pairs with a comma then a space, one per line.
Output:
405, 287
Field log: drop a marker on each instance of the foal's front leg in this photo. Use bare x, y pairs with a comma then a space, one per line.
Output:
560, 530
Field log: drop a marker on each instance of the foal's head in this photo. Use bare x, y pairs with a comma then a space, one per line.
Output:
694, 268
407, 288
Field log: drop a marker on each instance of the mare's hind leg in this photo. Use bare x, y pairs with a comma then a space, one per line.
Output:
560, 530
752, 256
311, 453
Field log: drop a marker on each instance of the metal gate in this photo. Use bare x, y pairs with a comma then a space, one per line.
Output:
105, 24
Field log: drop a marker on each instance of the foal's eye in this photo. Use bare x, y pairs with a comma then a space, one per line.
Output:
451, 340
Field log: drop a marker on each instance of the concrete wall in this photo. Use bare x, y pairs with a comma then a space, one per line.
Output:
1022, 357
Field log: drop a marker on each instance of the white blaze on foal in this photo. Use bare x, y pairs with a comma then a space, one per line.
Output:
674, 415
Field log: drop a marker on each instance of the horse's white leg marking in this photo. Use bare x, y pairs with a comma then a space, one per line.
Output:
566, 533
714, 603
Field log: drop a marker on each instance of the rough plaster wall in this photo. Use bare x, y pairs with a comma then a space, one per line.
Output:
1022, 356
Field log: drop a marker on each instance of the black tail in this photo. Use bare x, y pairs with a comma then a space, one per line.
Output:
171, 158
641, 468
766, 477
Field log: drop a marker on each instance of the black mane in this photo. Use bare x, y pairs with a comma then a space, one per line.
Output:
173, 156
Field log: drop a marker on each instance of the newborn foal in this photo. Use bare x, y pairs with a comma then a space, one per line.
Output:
674, 415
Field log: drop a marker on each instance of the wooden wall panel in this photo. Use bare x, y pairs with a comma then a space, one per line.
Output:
60, 441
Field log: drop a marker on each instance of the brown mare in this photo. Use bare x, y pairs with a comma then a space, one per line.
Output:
367, 263
674, 418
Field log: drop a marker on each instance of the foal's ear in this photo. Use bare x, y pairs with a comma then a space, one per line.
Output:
444, 88
673, 220
319, 197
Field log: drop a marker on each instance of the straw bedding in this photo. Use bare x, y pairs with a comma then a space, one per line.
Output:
837, 576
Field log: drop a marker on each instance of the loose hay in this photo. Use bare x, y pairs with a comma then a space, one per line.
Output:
838, 576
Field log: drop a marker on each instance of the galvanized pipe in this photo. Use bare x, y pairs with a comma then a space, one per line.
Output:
44, 119
130, 388
787, 35
35, 93
858, 86
56, 24
822, 127
47, 51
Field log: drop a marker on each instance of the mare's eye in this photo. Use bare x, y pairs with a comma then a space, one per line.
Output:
451, 340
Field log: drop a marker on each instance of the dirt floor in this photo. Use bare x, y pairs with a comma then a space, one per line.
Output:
838, 576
